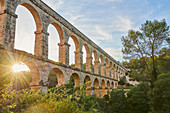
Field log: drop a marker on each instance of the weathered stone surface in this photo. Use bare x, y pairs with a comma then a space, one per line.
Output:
107, 69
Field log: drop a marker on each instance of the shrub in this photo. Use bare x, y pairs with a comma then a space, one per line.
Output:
122, 80
160, 94
138, 98
117, 102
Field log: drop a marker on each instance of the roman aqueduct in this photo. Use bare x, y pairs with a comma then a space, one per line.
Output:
107, 70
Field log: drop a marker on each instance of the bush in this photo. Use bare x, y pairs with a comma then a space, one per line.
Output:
61, 100
138, 98
160, 94
117, 102
122, 80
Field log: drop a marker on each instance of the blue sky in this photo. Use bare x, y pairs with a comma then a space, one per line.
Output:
106, 21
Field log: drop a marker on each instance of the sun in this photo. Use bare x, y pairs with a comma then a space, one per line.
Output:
20, 67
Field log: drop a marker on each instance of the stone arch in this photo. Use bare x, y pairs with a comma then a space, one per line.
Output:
87, 79
76, 42
35, 15
114, 66
76, 79
117, 73
102, 65
108, 85
96, 62
116, 85
76, 52
111, 69
107, 68
96, 87
37, 48
60, 32
103, 85
61, 41
34, 72
88, 58
56, 75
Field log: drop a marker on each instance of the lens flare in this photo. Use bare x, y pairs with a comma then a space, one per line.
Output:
20, 67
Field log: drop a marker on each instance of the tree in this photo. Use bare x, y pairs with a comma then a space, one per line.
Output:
160, 94
117, 102
164, 61
138, 98
138, 70
122, 80
147, 42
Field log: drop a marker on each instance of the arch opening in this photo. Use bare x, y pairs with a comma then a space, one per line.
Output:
86, 58
88, 90
74, 54
103, 84
107, 68
96, 87
102, 65
108, 85
53, 40
26, 74
114, 71
87, 79
104, 92
96, 83
28, 22
56, 78
75, 79
96, 63
111, 70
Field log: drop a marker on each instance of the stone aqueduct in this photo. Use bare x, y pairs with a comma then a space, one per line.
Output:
106, 73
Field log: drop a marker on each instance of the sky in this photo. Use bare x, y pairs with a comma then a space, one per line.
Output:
103, 21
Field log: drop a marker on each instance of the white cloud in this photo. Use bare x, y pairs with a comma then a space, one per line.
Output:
122, 24
54, 4
114, 0
115, 53
102, 34
72, 18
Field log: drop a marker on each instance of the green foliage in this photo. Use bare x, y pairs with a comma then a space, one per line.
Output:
52, 79
147, 43
163, 60
138, 70
117, 102
72, 65
64, 99
138, 98
103, 103
160, 94
122, 80
89, 103
84, 66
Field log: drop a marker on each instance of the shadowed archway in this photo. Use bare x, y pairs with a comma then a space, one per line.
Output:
56, 78
96, 87
76, 79
108, 85
89, 89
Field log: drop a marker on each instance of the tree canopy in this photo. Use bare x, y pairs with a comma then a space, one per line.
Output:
146, 43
